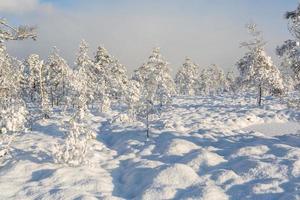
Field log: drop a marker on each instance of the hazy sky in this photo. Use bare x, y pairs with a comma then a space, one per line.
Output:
208, 31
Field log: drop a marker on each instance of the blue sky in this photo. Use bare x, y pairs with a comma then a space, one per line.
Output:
208, 31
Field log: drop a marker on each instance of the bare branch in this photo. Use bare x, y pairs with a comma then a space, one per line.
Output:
8, 32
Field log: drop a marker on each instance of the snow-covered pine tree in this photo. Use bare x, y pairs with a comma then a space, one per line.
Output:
13, 111
83, 66
112, 75
132, 98
37, 75
58, 82
293, 18
257, 69
118, 81
76, 147
230, 84
289, 52
156, 79
141, 74
186, 78
211, 81
12, 107
156, 87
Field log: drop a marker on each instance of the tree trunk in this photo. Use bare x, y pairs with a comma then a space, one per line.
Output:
259, 100
147, 124
147, 121
52, 98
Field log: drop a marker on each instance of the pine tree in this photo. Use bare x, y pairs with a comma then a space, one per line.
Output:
186, 78
229, 83
118, 81
257, 69
211, 81
156, 87
103, 63
37, 73
155, 78
58, 75
13, 111
12, 107
132, 98
289, 52
74, 151
112, 75
83, 66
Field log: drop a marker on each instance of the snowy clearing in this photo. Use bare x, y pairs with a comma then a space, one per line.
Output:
208, 150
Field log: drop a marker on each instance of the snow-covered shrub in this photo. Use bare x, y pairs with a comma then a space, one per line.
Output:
12, 122
74, 151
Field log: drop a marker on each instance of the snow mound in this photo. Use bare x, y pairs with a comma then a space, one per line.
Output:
174, 124
296, 169
169, 180
252, 151
226, 178
207, 191
213, 193
264, 170
202, 158
179, 147
267, 188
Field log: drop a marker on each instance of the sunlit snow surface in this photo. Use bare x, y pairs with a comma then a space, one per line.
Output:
209, 148
275, 128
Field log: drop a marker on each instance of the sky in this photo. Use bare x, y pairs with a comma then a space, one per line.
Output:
207, 31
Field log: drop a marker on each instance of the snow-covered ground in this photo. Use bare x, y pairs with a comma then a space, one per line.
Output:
210, 148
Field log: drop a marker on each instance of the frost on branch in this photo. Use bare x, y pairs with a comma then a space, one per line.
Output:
8, 32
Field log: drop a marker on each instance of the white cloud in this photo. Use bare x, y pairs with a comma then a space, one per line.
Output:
23, 6
129, 34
